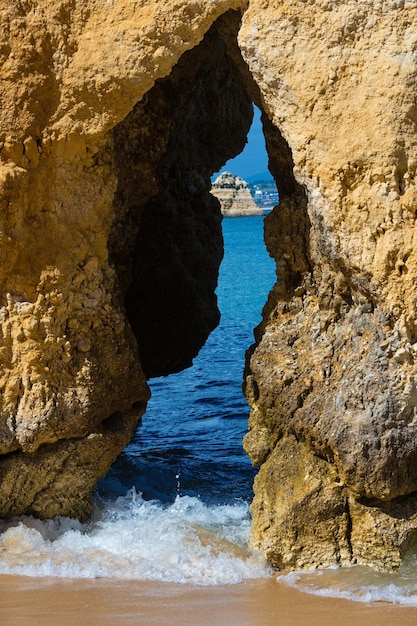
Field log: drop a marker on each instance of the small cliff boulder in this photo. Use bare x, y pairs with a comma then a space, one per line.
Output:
234, 196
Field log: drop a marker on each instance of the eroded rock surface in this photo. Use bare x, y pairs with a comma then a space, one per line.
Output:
111, 244
89, 185
332, 382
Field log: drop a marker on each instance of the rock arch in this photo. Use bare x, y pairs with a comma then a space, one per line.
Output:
104, 162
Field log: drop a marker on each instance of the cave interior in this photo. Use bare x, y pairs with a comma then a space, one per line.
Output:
166, 244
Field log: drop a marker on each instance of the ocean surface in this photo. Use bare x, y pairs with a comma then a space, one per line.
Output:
190, 439
175, 506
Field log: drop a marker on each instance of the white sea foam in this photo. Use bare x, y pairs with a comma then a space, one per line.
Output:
360, 584
131, 538
185, 542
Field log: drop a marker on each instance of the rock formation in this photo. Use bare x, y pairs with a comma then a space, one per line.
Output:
234, 196
110, 238
332, 383
114, 116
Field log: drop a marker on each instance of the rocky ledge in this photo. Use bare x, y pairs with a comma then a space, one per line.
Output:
114, 117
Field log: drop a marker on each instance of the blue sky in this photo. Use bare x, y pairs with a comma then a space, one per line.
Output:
253, 159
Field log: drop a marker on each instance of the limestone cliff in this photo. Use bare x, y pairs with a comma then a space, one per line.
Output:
110, 238
234, 196
111, 243
332, 382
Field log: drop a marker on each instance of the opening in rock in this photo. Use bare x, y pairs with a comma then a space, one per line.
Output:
190, 439
252, 163
167, 240
166, 243
244, 185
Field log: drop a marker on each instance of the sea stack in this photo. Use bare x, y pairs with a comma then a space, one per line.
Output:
234, 196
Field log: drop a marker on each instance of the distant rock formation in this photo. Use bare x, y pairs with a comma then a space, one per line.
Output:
234, 196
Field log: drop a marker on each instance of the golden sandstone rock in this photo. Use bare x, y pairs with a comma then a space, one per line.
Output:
114, 116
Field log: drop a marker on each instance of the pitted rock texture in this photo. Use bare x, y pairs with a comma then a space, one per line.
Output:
114, 116
332, 382
82, 171
234, 196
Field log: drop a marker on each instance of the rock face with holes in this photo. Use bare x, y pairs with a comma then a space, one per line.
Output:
234, 196
110, 239
332, 382
114, 116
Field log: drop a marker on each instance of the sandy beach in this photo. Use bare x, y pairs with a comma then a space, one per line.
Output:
64, 602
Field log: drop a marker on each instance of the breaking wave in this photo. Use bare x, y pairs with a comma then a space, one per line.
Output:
184, 542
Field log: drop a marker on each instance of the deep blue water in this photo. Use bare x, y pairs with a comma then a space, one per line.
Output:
190, 439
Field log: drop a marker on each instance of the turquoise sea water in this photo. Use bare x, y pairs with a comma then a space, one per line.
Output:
190, 440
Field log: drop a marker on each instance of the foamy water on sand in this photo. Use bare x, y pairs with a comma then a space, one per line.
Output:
361, 584
131, 538
185, 541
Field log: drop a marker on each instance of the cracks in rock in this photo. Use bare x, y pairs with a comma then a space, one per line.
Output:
58, 478
401, 507
111, 425
348, 531
107, 427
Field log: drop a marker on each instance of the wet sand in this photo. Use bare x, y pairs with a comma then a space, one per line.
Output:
102, 602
